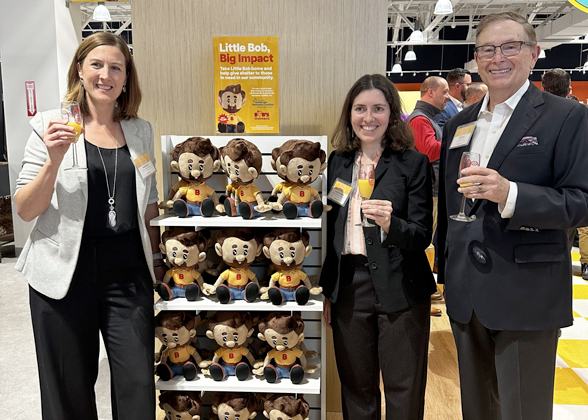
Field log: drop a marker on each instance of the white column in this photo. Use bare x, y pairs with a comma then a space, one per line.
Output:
37, 41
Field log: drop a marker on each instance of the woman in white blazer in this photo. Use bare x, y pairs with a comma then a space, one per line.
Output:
85, 274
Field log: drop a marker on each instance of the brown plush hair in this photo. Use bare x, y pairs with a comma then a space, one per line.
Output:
197, 145
236, 89
241, 149
282, 323
175, 320
287, 404
304, 149
238, 401
230, 319
185, 238
289, 235
182, 401
245, 234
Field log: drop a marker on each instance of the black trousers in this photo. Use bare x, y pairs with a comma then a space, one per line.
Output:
111, 292
505, 375
367, 340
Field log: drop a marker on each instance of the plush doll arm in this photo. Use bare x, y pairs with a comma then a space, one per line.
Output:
309, 354
261, 206
219, 207
259, 368
313, 290
211, 288
170, 203
196, 417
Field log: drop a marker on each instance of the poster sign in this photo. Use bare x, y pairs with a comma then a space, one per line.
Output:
31, 95
246, 87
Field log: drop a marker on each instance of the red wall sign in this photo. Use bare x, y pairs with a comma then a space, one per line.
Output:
31, 95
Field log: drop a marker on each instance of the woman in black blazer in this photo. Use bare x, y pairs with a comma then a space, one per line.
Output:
377, 280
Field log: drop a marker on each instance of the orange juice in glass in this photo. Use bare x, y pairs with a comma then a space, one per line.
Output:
366, 180
70, 112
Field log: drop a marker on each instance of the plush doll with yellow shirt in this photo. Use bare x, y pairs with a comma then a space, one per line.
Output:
180, 405
299, 163
282, 407
287, 248
230, 330
195, 160
283, 332
176, 331
241, 160
184, 251
238, 247
234, 406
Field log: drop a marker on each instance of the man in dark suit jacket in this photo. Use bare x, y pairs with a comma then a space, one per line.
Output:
458, 81
508, 274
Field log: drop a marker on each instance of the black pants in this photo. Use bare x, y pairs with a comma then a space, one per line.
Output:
367, 340
111, 291
505, 375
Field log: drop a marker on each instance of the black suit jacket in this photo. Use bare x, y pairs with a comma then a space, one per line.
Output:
516, 273
398, 266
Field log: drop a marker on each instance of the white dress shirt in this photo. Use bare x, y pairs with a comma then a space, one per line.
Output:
489, 128
458, 104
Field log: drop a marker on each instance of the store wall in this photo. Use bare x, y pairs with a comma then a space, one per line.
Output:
324, 47
37, 41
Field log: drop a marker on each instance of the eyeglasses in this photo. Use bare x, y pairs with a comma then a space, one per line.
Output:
508, 49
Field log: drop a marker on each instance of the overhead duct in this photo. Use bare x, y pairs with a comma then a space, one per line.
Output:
562, 30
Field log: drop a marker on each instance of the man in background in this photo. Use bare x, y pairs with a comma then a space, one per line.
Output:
475, 93
557, 81
458, 81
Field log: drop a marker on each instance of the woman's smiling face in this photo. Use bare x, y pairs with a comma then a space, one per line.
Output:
370, 116
104, 73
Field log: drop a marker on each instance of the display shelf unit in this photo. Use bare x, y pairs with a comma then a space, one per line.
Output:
313, 385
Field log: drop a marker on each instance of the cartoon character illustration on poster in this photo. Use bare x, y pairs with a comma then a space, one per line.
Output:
230, 330
231, 99
241, 160
234, 406
180, 405
184, 252
238, 247
287, 248
286, 360
195, 160
298, 163
177, 332
281, 407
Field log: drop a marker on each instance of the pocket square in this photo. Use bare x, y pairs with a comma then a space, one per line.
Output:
528, 141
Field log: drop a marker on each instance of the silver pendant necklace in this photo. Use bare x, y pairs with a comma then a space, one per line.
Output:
112, 212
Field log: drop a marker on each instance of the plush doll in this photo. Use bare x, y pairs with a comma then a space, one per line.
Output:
298, 163
286, 360
230, 330
241, 160
287, 248
180, 405
238, 247
184, 251
286, 407
195, 159
234, 406
176, 331
231, 99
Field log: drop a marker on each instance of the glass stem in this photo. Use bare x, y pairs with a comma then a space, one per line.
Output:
462, 208
75, 155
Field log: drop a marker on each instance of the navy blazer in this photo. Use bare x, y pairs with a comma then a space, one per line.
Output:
516, 273
399, 266
444, 116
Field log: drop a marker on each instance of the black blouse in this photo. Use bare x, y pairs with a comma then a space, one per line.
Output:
125, 199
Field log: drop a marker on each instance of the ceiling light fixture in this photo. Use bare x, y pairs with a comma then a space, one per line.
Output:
416, 36
443, 7
542, 54
397, 68
101, 13
410, 56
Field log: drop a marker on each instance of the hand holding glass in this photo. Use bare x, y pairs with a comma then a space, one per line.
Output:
70, 112
467, 159
365, 183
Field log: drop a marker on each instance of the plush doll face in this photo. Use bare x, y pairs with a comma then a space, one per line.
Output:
286, 254
238, 253
279, 415
301, 171
229, 337
231, 102
171, 414
282, 342
179, 254
193, 167
238, 171
174, 338
226, 412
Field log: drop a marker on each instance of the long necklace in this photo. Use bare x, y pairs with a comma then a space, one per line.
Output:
112, 211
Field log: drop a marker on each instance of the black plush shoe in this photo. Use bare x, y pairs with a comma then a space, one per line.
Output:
217, 372
251, 292
296, 374
230, 208
245, 211
275, 296
302, 295
207, 207
242, 371
189, 371
164, 291
192, 292
223, 294
585, 271
181, 208
290, 210
270, 373
316, 209
164, 372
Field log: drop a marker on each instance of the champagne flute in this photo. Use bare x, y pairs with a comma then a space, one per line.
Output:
365, 184
467, 159
70, 112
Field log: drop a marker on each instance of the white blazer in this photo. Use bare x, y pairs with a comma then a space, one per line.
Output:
50, 255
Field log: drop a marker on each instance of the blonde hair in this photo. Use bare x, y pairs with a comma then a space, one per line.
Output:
129, 101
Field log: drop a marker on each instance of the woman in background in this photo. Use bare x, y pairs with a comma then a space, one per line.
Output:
377, 280
86, 274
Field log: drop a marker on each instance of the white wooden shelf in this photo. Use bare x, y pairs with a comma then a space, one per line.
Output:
311, 384
266, 220
315, 304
